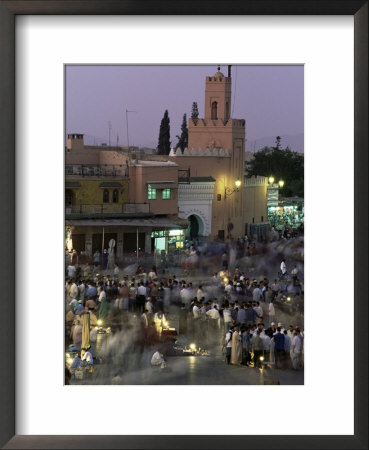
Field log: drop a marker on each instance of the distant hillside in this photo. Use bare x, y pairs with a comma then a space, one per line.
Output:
295, 142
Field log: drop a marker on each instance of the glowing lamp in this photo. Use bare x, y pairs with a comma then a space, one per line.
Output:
99, 322
192, 346
281, 183
238, 183
271, 180
261, 358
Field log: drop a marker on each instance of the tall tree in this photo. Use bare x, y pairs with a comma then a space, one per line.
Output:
195, 111
282, 164
183, 138
164, 135
278, 143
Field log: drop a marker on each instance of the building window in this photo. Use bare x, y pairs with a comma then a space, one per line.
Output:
214, 111
219, 197
151, 192
106, 196
262, 218
115, 196
166, 194
253, 220
68, 197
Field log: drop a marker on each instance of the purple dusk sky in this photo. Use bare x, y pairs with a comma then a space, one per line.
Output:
269, 98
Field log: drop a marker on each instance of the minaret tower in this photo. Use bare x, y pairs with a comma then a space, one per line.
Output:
217, 133
218, 92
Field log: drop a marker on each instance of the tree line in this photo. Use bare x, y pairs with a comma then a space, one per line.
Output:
282, 164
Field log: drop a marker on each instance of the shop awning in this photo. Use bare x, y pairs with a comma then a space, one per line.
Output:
152, 222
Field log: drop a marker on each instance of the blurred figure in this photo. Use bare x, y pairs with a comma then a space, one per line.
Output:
287, 349
97, 257
279, 348
228, 344
158, 360
258, 349
105, 259
271, 312
236, 354
71, 271
296, 352
86, 358
283, 267
227, 317
246, 346
159, 320
76, 333
294, 272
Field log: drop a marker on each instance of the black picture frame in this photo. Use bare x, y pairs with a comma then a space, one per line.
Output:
8, 12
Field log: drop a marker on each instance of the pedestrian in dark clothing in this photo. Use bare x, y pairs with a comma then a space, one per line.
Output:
250, 316
279, 352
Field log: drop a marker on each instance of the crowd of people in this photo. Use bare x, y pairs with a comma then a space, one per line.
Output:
229, 310
256, 345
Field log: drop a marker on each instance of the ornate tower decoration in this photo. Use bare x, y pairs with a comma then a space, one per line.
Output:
218, 92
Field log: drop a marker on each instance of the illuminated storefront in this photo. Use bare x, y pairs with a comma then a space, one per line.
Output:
168, 240
288, 211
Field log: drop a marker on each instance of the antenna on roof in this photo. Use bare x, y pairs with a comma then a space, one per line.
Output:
109, 126
127, 111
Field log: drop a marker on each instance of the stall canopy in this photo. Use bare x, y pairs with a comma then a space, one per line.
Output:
165, 222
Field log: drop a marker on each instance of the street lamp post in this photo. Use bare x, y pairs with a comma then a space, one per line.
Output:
229, 191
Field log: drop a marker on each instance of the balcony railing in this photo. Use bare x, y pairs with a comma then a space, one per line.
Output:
92, 170
108, 208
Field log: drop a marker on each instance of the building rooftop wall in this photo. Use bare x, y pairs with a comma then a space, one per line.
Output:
150, 163
256, 181
214, 152
197, 180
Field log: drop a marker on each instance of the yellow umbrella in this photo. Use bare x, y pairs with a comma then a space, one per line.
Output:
86, 330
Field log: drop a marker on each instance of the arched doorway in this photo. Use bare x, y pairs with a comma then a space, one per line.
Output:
195, 228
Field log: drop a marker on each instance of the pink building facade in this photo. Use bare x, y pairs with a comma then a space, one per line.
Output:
216, 148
